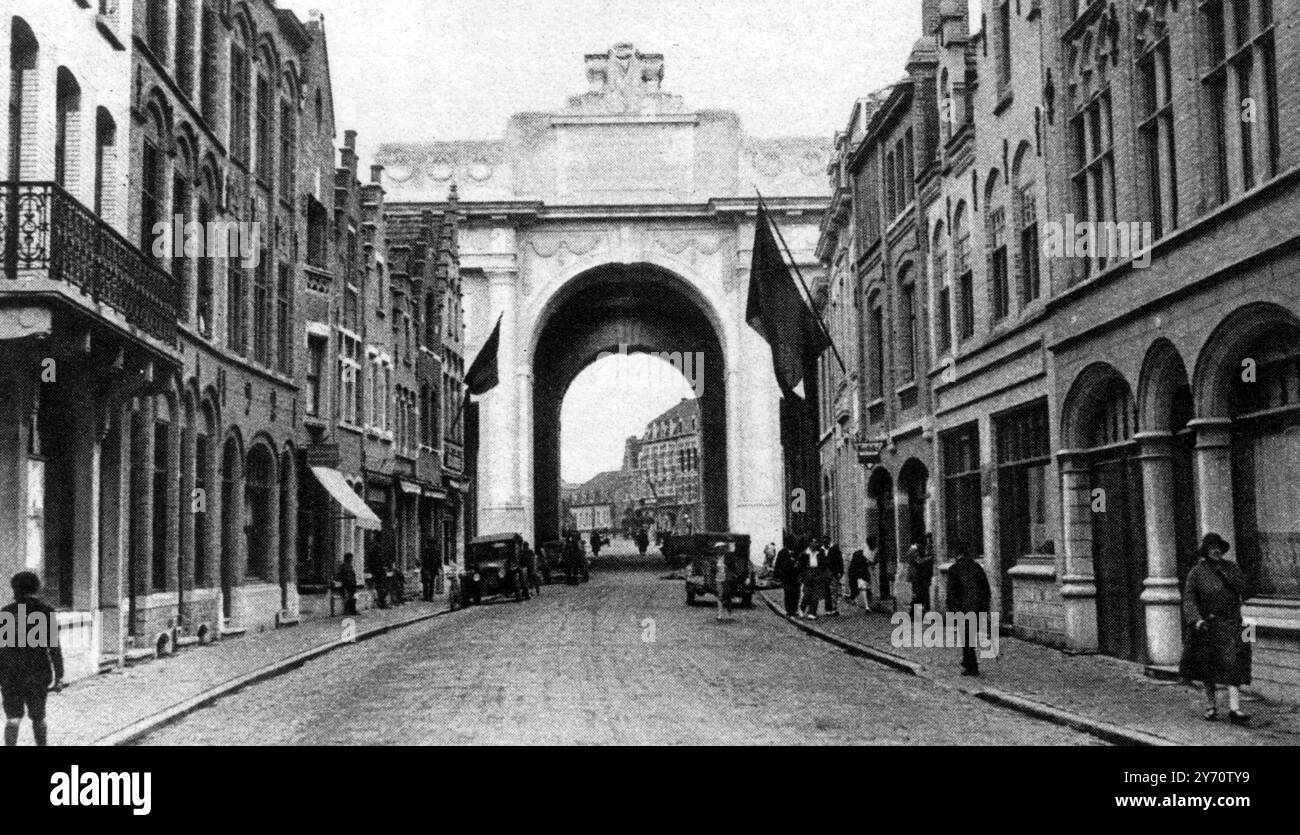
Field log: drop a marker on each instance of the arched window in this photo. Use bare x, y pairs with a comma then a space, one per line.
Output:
995, 214
156, 27
288, 152
204, 284
265, 120
67, 131
1026, 217
240, 79
947, 108
153, 180
962, 269
105, 163
186, 27
259, 476
182, 194
208, 66
907, 330
942, 281
23, 95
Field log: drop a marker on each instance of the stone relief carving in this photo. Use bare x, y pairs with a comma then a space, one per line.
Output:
625, 80
551, 246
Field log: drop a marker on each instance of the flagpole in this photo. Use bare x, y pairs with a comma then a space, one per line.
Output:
804, 284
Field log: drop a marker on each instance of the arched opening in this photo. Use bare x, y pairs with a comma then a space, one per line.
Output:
1101, 421
24, 91
67, 131
1165, 404
880, 524
105, 163
232, 484
259, 511
1249, 373
618, 311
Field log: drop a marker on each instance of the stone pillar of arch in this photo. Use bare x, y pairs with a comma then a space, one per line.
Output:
1213, 461
501, 435
1078, 585
1160, 595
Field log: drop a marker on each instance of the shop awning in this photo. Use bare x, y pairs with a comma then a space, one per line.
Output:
337, 486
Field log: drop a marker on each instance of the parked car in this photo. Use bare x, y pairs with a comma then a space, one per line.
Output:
493, 567
737, 577
551, 562
677, 549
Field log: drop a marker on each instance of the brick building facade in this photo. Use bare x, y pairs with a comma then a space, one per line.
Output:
1082, 413
205, 329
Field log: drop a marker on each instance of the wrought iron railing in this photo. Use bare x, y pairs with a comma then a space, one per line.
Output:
43, 228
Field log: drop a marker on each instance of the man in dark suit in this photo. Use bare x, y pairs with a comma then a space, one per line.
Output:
968, 594
786, 572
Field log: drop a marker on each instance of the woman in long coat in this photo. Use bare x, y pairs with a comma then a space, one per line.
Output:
1216, 651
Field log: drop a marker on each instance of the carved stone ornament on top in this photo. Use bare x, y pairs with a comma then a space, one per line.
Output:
1094, 50
1151, 21
625, 81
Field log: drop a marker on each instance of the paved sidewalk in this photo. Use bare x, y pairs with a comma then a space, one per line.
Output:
92, 708
1111, 695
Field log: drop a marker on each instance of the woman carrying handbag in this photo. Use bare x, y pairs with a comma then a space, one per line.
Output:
1216, 651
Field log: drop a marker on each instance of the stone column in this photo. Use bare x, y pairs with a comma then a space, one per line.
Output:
176, 501
1160, 592
1214, 476
85, 503
185, 518
902, 530
1078, 585
503, 500
272, 544
289, 523
141, 514
13, 461
755, 468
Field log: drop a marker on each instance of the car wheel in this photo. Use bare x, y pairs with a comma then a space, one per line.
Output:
690, 596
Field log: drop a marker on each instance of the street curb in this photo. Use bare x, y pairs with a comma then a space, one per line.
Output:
149, 724
1114, 734
1105, 731
853, 647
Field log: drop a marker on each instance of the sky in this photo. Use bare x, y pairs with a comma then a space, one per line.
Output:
458, 69
416, 70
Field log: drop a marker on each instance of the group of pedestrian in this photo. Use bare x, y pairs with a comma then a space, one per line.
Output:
810, 576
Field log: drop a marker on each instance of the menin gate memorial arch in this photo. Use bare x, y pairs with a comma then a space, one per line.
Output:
623, 218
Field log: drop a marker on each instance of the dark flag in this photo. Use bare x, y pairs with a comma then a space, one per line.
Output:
779, 313
482, 375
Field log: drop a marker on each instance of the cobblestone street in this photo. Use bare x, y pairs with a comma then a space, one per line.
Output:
621, 660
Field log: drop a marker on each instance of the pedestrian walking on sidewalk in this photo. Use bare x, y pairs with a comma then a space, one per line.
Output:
920, 569
379, 578
859, 576
786, 572
28, 673
812, 568
834, 579
528, 559
347, 579
428, 577
968, 594
1216, 651
397, 582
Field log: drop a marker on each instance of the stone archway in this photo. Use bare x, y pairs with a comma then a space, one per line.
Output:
616, 309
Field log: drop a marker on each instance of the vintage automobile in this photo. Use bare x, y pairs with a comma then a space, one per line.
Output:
550, 562
702, 578
677, 549
493, 567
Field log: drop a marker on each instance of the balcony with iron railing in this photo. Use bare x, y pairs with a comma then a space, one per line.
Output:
49, 241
